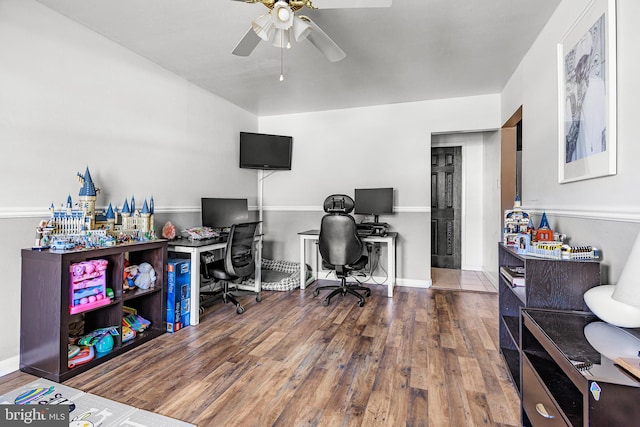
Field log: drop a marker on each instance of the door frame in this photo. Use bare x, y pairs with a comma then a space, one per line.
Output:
508, 148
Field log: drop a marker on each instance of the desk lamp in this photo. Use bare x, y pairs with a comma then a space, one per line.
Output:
619, 304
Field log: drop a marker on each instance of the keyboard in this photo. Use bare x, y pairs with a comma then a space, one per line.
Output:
364, 232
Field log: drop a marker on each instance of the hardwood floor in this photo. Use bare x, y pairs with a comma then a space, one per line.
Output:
465, 280
425, 357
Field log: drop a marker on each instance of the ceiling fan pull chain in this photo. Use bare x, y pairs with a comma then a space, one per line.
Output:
281, 59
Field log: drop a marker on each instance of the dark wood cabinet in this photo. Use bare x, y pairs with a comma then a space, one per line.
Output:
549, 283
46, 323
567, 381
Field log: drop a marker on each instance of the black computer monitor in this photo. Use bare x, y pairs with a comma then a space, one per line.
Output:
374, 201
221, 213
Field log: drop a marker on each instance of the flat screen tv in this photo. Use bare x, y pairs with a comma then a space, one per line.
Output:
262, 151
374, 201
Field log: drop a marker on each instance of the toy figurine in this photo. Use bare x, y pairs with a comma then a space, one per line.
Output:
516, 222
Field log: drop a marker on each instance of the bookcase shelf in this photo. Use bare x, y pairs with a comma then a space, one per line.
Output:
549, 284
45, 320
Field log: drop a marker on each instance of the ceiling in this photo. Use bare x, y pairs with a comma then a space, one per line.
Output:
412, 51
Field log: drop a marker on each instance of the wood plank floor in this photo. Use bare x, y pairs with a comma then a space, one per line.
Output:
425, 357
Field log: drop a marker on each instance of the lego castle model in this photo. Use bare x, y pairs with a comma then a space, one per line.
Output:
83, 218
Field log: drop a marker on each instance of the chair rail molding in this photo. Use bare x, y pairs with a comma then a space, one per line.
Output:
616, 215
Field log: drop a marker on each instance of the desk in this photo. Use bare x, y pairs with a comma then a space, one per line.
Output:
389, 239
194, 248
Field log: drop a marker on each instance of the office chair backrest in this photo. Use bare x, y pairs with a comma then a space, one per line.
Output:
239, 259
339, 241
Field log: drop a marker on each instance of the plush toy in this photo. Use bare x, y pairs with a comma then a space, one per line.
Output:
78, 270
146, 276
130, 274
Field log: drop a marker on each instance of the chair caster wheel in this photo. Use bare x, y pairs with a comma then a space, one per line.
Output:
316, 293
367, 293
239, 309
361, 303
325, 302
258, 298
201, 310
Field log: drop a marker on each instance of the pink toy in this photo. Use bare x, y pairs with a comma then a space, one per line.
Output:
88, 285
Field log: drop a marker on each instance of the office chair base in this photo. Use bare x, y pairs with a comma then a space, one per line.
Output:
227, 297
343, 289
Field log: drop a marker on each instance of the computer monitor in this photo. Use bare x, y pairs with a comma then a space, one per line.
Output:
221, 213
374, 201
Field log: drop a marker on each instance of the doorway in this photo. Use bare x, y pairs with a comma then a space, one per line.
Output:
511, 161
446, 187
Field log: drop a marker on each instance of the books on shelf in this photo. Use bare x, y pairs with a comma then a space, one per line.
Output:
514, 275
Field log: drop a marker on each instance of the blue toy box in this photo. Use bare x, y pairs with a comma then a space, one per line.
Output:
178, 294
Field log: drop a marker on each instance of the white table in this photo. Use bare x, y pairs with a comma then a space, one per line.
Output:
194, 248
313, 236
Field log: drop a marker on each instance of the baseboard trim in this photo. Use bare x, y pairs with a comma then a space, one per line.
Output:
9, 365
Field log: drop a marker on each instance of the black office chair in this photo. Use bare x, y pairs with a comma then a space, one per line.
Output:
341, 248
238, 263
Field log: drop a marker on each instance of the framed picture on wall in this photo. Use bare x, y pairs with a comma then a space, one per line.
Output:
587, 95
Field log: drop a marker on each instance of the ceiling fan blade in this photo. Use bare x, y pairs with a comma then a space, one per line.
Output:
323, 42
343, 4
248, 42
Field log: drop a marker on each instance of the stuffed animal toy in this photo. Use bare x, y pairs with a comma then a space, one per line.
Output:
146, 276
130, 274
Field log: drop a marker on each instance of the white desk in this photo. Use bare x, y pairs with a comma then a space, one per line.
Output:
194, 248
313, 235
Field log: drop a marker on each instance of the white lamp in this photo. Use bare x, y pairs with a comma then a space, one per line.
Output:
619, 305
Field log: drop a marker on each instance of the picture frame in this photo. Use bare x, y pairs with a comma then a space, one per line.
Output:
587, 124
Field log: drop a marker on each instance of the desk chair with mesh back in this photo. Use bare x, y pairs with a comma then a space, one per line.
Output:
341, 248
238, 263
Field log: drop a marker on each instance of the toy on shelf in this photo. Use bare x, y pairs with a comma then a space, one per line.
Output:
141, 276
43, 235
93, 337
516, 222
136, 322
88, 285
72, 350
580, 252
85, 355
82, 224
127, 333
544, 233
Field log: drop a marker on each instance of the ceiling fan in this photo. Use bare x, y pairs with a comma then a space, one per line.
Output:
281, 24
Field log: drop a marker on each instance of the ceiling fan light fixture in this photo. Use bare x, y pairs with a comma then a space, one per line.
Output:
300, 29
281, 39
263, 27
282, 15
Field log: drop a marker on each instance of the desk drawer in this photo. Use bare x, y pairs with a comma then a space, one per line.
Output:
539, 406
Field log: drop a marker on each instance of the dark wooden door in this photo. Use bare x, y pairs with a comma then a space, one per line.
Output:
445, 206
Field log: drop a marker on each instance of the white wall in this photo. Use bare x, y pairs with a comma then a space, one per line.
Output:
491, 204
390, 145
604, 212
69, 99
